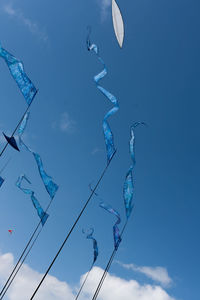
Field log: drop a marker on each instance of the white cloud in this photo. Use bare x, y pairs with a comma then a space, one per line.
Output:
114, 287
158, 274
31, 25
118, 289
96, 150
105, 6
26, 281
65, 124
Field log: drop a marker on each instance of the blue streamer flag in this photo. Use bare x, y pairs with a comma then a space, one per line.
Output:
89, 235
42, 215
1, 181
108, 135
49, 184
11, 141
17, 71
116, 234
128, 184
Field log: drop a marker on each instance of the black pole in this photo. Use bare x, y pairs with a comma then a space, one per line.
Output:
72, 228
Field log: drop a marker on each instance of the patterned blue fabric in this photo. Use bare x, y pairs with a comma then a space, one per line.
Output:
116, 234
17, 70
128, 192
23, 124
49, 184
1, 181
128, 184
42, 215
95, 246
108, 135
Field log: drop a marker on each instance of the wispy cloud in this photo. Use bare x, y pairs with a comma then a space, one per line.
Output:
104, 6
114, 287
65, 123
32, 26
158, 274
96, 150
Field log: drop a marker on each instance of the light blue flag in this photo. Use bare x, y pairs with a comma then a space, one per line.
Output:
89, 235
1, 181
49, 184
108, 135
128, 184
17, 71
42, 215
116, 234
128, 192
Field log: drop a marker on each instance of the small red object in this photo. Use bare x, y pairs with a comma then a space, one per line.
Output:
10, 230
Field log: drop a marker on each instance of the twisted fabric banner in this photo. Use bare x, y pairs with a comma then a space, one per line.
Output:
49, 184
116, 234
108, 135
89, 235
1, 181
17, 71
42, 215
128, 184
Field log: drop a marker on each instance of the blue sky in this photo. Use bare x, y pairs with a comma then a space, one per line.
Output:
156, 80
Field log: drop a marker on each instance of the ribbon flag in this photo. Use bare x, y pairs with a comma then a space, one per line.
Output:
42, 215
49, 184
17, 71
116, 234
1, 181
108, 135
95, 246
128, 184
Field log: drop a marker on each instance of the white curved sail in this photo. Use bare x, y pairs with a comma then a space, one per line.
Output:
118, 23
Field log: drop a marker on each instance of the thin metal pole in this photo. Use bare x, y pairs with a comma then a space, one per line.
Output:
72, 228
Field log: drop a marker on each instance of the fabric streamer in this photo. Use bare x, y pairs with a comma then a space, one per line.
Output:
95, 246
42, 215
108, 135
118, 23
17, 71
116, 234
49, 184
128, 184
1, 181
128, 195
